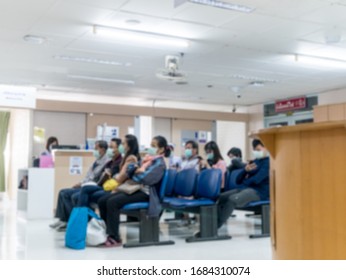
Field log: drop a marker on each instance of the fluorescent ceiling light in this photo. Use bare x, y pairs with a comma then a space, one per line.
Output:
90, 60
100, 79
253, 78
319, 61
139, 37
218, 4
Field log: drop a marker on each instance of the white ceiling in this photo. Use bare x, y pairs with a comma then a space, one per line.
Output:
224, 45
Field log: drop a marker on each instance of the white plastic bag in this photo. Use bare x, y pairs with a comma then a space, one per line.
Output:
96, 232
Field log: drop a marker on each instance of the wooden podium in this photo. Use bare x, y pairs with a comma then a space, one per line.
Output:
308, 190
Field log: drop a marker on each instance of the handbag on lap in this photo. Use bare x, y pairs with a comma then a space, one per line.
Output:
110, 185
129, 187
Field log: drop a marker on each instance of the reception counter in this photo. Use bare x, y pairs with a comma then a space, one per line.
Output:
71, 166
308, 190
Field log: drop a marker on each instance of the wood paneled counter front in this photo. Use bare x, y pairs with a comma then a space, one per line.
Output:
308, 190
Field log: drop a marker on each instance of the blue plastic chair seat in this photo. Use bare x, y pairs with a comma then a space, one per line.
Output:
136, 206
257, 203
168, 199
186, 203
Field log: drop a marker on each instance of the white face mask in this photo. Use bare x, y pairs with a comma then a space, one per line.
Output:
258, 154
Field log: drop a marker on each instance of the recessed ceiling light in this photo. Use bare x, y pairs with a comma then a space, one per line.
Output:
101, 79
33, 39
133, 22
217, 4
90, 60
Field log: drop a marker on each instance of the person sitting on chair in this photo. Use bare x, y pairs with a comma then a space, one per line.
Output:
254, 184
65, 197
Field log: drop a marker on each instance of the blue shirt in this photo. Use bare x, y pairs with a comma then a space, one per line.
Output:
258, 179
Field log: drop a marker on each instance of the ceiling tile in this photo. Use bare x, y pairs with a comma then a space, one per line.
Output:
108, 4
21, 15
72, 19
292, 8
206, 15
156, 8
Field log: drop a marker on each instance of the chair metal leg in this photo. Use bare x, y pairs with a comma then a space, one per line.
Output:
208, 226
265, 220
149, 231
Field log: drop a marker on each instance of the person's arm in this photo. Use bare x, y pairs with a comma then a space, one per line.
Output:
152, 175
122, 176
237, 163
262, 173
221, 164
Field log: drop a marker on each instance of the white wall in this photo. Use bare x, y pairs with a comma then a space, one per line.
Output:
20, 146
69, 128
231, 134
85, 97
145, 131
256, 122
163, 127
333, 97
256, 117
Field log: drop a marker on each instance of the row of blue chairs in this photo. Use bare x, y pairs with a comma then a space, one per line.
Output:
175, 192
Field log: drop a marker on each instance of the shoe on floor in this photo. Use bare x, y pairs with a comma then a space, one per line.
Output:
110, 242
62, 227
56, 224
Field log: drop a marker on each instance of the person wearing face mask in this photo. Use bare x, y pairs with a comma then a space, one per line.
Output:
148, 174
192, 159
174, 161
68, 195
214, 159
235, 156
51, 142
91, 193
254, 184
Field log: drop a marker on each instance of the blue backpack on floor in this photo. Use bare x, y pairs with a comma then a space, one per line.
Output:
75, 237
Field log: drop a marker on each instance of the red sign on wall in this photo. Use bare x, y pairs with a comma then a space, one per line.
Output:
290, 104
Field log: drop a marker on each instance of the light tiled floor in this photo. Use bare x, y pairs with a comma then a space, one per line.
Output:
33, 239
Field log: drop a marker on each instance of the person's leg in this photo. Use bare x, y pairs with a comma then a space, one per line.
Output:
225, 208
59, 210
114, 205
94, 197
67, 202
85, 194
102, 203
237, 199
60, 206
74, 199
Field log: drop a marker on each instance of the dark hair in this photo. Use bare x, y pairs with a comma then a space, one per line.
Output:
117, 141
256, 142
132, 143
236, 152
102, 144
193, 144
51, 140
212, 146
162, 143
